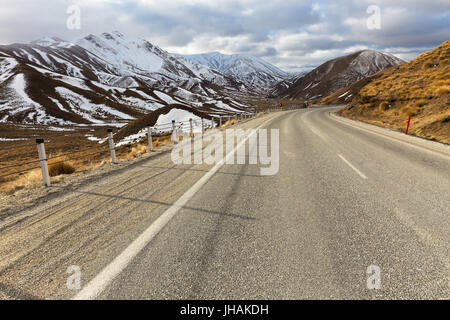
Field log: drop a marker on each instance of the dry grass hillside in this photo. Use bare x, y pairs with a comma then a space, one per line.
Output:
420, 89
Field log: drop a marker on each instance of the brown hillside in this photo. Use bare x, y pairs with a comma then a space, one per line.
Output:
420, 88
336, 74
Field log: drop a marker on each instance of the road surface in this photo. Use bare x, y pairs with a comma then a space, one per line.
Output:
347, 196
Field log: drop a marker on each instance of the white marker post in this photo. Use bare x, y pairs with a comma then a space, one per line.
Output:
111, 146
43, 161
150, 139
191, 128
220, 121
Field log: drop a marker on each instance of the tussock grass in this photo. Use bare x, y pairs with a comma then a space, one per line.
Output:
428, 65
383, 106
30, 180
61, 168
442, 90
134, 152
410, 110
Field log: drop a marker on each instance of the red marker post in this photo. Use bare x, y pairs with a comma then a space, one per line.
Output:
340, 112
407, 127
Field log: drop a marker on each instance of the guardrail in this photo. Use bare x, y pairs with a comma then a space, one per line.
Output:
43, 162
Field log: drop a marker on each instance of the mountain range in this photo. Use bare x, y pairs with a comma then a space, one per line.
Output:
113, 78
335, 74
243, 67
106, 78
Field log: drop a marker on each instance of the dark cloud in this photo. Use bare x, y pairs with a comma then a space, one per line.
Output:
288, 33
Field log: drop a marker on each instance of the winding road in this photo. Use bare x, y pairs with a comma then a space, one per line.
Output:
347, 197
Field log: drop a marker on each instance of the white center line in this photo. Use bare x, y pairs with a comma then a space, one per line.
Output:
99, 283
353, 167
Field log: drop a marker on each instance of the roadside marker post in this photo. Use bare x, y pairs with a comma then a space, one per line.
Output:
407, 127
340, 112
111, 146
220, 121
191, 127
43, 161
150, 139
203, 126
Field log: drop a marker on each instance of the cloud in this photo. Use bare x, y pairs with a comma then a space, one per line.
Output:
287, 33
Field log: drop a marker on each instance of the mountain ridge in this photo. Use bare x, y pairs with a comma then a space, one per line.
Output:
243, 66
335, 74
51, 81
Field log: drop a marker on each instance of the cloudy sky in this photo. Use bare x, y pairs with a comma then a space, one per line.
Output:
288, 33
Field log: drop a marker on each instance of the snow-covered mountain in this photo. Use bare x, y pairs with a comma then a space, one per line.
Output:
335, 74
104, 78
244, 67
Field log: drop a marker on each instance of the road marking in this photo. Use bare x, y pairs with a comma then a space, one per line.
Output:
387, 134
99, 283
353, 167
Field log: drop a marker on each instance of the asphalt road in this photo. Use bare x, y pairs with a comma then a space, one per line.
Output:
347, 196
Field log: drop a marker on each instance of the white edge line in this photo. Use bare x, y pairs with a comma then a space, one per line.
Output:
356, 124
353, 167
99, 283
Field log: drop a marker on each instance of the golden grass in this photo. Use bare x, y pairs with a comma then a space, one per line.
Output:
425, 77
445, 89
61, 168
410, 110
428, 65
383, 106
134, 152
30, 180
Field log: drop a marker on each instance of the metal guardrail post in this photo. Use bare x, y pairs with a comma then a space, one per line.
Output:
111, 146
43, 161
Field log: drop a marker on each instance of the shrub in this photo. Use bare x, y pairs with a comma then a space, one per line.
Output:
428, 65
442, 90
384, 106
421, 103
410, 110
61, 168
445, 119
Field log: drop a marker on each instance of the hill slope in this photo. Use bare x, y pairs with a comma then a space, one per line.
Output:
420, 88
336, 74
244, 67
105, 78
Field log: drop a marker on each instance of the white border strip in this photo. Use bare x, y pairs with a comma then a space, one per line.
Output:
353, 167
